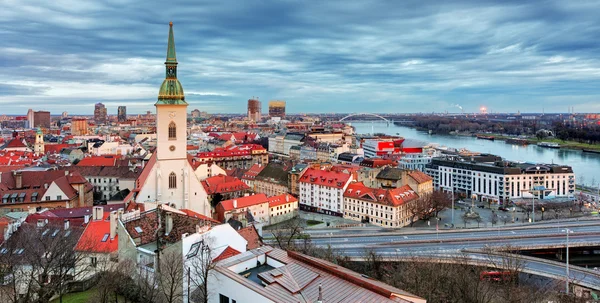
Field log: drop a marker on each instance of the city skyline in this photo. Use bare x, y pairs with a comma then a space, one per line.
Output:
374, 57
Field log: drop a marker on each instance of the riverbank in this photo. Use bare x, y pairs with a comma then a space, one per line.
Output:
563, 144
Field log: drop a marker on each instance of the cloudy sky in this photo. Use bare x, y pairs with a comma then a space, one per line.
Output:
319, 56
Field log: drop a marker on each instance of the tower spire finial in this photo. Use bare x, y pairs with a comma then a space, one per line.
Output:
171, 56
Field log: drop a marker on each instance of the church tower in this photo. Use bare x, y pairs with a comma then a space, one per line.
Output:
38, 147
171, 110
169, 178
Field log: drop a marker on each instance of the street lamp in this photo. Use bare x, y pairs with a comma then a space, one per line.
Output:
567, 231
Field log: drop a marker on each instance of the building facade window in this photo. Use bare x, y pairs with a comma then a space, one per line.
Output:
172, 180
172, 131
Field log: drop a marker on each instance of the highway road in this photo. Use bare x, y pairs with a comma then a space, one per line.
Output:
446, 246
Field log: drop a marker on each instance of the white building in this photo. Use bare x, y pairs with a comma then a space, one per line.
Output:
323, 191
267, 274
169, 176
281, 144
418, 161
491, 179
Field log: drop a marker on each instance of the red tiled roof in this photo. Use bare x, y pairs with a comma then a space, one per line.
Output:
244, 201
146, 171
98, 161
391, 197
94, 233
228, 252
420, 176
223, 184
15, 143
281, 200
325, 178
253, 171
251, 235
194, 214
56, 148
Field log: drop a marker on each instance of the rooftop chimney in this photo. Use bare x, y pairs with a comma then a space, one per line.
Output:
86, 219
18, 179
66, 224
234, 203
113, 224
168, 223
98, 213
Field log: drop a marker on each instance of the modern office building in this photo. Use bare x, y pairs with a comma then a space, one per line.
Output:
79, 127
30, 118
41, 119
491, 179
100, 113
122, 114
254, 110
277, 109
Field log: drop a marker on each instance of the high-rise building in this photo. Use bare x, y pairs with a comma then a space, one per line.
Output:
277, 108
30, 118
100, 113
254, 110
79, 127
41, 119
122, 114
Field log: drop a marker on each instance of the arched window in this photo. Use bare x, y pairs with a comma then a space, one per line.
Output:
172, 180
172, 131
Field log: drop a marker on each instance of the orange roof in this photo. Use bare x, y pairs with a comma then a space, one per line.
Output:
223, 184
391, 197
251, 235
420, 176
281, 200
96, 238
244, 201
194, 214
325, 178
228, 252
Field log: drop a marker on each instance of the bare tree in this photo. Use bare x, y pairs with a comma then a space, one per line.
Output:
439, 200
170, 277
288, 232
42, 261
199, 269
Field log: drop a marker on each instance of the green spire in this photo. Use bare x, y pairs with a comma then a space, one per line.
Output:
171, 57
171, 91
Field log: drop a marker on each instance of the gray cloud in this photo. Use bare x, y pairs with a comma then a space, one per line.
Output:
379, 56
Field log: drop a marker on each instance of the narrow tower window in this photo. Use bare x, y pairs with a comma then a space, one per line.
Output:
172, 180
172, 131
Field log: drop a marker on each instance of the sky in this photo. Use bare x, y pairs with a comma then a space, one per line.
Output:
319, 56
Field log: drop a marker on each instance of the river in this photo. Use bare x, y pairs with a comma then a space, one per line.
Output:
585, 165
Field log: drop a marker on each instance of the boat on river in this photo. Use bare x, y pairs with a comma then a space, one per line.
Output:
491, 138
518, 141
593, 151
548, 145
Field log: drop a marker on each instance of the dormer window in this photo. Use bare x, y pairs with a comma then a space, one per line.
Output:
172, 131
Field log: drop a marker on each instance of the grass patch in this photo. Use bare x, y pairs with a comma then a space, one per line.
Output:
313, 222
81, 297
76, 297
